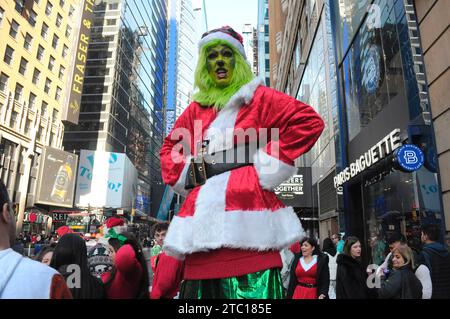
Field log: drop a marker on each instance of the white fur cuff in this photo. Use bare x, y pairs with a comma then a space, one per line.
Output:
179, 185
271, 171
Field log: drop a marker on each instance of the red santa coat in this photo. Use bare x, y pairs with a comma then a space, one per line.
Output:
236, 214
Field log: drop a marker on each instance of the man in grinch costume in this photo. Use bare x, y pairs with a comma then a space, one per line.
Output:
232, 226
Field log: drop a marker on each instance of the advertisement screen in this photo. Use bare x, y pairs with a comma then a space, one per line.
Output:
56, 178
105, 180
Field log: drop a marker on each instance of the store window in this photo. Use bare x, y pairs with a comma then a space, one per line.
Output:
372, 71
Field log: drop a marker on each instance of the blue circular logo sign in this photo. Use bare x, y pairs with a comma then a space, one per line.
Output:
372, 72
410, 157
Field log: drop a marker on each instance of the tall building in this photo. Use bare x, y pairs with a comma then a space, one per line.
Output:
263, 41
122, 106
360, 64
433, 20
38, 41
308, 73
183, 38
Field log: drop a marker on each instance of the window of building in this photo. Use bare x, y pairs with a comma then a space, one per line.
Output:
58, 20
71, 10
55, 116
40, 53
44, 30
55, 41
62, 3
113, 6
27, 42
3, 82
48, 83
19, 6
61, 72
68, 31
373, 72
9, 52
111, 21
32, 18
36, 75
14, 119
14, 29
48, 8
32, 101
23, 66
2, 12
44, 108
51, 63
18, 92
65, 50
28, 124
58, 93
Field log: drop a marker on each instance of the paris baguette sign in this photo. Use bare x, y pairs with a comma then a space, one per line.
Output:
376, 153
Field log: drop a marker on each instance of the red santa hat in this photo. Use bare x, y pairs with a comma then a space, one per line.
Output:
118, 224
227, 34
61, 231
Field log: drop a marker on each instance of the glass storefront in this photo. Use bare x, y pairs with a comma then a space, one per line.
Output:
376, 84
372, 71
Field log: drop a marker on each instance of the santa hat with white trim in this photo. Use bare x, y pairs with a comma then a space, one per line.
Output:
115, 223
227, 34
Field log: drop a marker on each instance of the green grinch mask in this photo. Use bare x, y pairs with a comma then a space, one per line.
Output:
220, 62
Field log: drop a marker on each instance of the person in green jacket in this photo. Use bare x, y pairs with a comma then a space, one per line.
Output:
338, 242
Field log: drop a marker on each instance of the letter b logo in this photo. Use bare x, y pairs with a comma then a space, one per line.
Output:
410, 157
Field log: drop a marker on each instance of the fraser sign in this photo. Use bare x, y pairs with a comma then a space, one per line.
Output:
376, 153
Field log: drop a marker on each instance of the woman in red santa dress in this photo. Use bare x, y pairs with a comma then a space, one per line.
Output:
232, 226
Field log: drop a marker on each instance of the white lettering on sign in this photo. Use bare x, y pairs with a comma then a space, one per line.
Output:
376, 153
294, 185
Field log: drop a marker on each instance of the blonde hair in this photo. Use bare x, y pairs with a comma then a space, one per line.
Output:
407, 255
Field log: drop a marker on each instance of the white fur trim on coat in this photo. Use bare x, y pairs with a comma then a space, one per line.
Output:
271, 171
221, 131
213, 227
179, 185
251, 230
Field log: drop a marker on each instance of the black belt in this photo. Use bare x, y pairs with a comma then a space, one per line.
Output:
306, 285
209, 165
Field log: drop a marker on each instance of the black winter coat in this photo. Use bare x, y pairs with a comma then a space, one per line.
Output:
351, 279
401, 284
323, 276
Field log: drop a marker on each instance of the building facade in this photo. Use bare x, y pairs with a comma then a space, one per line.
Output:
361, 66
38, 39
309, 74
122, 106
434, 21
263, 57
184, 35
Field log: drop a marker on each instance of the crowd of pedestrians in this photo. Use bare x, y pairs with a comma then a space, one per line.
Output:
114, 266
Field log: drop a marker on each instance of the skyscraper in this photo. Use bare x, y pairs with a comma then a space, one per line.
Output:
122, 108
263, 40
38, 38
183, 37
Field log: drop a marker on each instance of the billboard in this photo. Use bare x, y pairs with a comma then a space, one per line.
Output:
75, 81
105, 180
296, 191
56, 178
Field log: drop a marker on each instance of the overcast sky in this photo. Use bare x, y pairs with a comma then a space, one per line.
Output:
234, 13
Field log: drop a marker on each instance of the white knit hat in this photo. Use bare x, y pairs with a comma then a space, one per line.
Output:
227, 34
